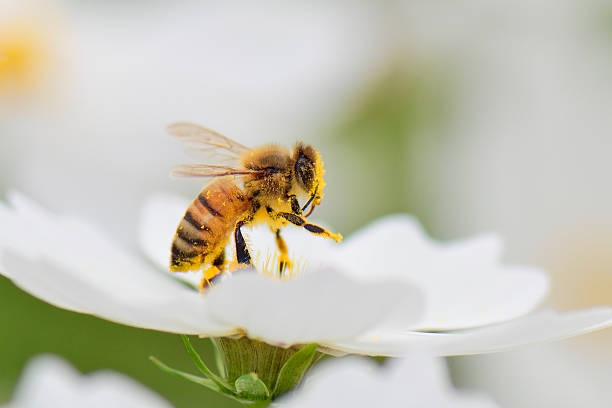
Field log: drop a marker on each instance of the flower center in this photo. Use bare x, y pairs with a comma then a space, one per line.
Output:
278, 266
22, 58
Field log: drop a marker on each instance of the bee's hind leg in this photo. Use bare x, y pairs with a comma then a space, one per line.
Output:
284, 262
315, 229
211, 274
242, 253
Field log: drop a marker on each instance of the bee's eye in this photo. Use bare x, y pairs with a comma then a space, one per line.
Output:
304, 172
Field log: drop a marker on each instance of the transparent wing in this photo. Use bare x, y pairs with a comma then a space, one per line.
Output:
209, 170
206, 143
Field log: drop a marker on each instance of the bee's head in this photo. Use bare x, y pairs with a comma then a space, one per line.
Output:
308, 172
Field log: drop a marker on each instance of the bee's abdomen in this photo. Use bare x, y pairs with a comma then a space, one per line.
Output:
207, 225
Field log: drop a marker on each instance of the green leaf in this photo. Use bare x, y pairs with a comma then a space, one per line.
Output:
185, 376
204, 368
249, 386
293, 370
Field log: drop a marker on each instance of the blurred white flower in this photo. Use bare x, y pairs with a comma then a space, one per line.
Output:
50, 382
473, 303
414, 381
568, 374
29, 54
527, 153
71, 264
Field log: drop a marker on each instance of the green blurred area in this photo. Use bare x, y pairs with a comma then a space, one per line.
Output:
369, 153
373, 168
31, 327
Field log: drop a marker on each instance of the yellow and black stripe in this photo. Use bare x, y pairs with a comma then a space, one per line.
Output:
207, 226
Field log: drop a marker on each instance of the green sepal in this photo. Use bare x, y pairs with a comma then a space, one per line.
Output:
293, 370
250, 387
200, 381
224, 385
186, 376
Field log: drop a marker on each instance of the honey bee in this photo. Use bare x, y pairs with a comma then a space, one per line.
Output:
260, 185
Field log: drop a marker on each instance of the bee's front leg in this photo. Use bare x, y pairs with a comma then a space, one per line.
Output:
295, 205
315, 229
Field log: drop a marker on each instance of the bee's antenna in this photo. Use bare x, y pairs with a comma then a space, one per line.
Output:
309, 201
310, 211
312, 197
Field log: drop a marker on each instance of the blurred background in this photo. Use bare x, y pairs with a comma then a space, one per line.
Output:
474, 115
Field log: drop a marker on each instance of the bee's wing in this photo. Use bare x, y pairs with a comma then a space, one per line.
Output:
209, 170
206, 143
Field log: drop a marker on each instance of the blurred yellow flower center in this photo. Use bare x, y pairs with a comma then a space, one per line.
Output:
22, 58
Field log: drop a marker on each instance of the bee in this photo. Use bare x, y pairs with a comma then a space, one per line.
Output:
260, 185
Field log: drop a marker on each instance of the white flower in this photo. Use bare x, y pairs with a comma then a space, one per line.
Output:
29, 57
50, 382
414, 381
73, 265
363, 301
473, 303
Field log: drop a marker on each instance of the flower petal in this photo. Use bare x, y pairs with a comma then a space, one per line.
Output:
319, 307
464, 282
71, 264
49, 381
543, 326
160, 217
415, 381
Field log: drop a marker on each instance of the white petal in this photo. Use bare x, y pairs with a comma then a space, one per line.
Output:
543, 326
71, 264
464, 282
160, 217
415, 381
317, 307
50, 382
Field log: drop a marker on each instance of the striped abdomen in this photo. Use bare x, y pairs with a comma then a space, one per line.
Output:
207, 225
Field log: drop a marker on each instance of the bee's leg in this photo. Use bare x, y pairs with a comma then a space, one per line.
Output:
295, 205
284, 262
242, 253
213, 272
315, 229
